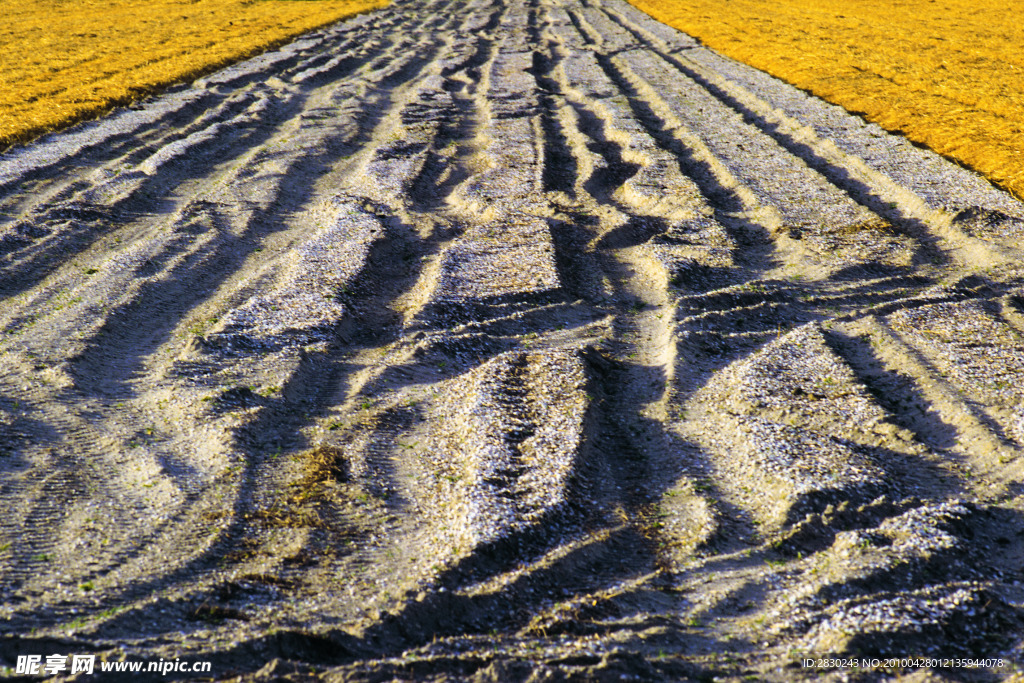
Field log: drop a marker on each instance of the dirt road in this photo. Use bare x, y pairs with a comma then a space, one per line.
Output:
494, 339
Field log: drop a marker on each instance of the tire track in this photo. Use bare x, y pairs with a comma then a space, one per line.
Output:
389, 73
502, 339
875, 191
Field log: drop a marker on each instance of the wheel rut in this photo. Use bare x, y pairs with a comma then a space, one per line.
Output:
506, 339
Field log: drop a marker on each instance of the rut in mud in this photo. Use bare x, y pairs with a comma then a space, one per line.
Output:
495, 339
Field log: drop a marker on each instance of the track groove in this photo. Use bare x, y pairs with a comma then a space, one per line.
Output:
505, 340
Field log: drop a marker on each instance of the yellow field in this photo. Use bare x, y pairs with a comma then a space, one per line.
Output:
947, 73
65, 60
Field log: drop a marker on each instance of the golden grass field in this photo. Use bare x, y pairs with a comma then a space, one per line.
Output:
946, 73
62, 61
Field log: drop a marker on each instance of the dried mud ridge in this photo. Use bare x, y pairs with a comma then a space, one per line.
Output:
505, 340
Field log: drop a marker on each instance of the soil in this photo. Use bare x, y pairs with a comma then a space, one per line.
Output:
503, 340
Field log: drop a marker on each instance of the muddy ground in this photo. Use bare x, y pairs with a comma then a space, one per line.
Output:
500, 341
